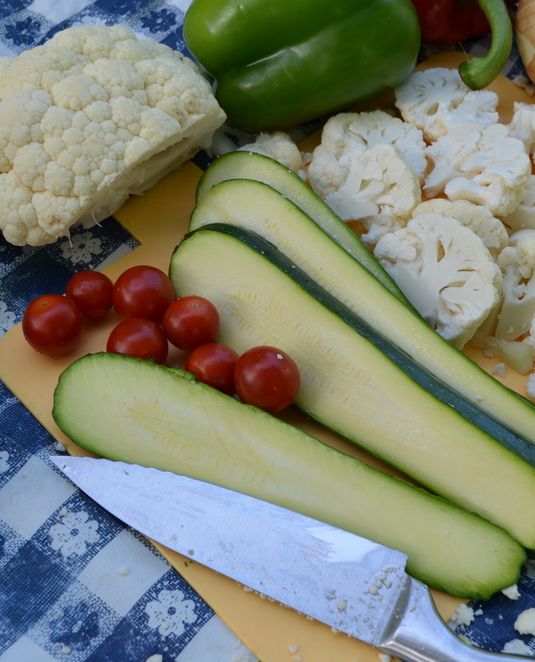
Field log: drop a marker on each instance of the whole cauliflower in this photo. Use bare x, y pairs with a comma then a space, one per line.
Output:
477, 218
436, 100
89, 118
485, 166
376, 187
517, 262
346, 133
446, 272
279, 146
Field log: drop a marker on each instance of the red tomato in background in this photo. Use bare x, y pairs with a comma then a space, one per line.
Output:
92, 293
144, 292
191, 321
53, 324
213, 364
142, 338
267, 377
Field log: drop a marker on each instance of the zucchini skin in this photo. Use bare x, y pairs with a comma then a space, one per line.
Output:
425, 379
259, 167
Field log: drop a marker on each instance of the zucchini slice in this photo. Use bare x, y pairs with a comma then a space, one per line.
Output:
349, 384
449, 374
249, 165
177, 424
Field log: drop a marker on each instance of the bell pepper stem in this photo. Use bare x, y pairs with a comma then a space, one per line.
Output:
480, 71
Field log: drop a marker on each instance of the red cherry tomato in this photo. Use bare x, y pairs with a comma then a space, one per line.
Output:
214, 364
138, 337
267, 377
92, 292
191, 321
53, 324
142, 291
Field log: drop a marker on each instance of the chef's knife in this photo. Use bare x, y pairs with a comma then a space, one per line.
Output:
352, 584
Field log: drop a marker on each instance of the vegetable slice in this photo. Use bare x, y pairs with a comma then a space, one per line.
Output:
408, 340
249, 165
99, 404
347, 383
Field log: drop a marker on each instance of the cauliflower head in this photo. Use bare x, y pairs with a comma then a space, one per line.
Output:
485, 166
279, 146
517, 262
436, 100
376, 187
477, 218
446, 272
356, 132
88, 119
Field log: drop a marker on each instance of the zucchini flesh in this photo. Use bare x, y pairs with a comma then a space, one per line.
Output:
347, 383
437, 365
253, 166
99, 404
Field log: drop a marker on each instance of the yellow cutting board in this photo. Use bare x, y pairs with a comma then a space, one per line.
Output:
158, 220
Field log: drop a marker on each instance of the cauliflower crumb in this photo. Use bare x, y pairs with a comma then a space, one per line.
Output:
517, 647
530, 386
511, 592
293, 648
525, 622
155, 658
500, 369
464, 615
383, 657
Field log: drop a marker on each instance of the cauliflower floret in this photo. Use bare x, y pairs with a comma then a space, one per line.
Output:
376, 187
477, 218
446, 272
436, 100
523, 217
279, 146
356, 132
517, 262
522, 125
485, 166
90, 118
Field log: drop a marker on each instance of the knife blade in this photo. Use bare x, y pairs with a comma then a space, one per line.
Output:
350, 583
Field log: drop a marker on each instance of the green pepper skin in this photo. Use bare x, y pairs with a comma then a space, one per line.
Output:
278, 63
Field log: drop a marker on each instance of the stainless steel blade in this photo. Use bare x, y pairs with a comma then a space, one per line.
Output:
347, 582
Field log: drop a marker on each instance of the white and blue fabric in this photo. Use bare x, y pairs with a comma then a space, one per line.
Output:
75, 584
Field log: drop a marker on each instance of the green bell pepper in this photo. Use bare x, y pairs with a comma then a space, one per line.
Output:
278, 63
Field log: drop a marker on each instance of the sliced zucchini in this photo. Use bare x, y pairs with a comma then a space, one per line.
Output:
461, 383
249, 165
349, 384
99, 404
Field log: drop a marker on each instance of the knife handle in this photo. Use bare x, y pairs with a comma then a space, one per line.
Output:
418, 634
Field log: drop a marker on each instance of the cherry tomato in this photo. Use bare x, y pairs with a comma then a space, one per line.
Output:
92, 292
191, 321
53, 324
142, 291
267, 377
213, 364
138, 337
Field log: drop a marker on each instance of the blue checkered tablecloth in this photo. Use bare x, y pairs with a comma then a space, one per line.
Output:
75, 584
